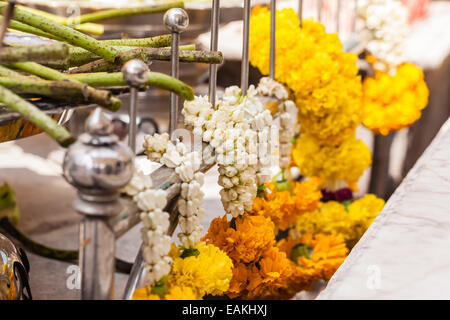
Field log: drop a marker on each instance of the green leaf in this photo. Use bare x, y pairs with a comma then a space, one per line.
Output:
300, 250
160, 290
261, 193
284, 185
191, 252
8, 204
233, 223
346, 204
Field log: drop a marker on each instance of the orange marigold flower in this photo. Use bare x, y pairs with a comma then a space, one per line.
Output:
328, 253
239, 282
144, 294
246, 240
270, 276
284, 207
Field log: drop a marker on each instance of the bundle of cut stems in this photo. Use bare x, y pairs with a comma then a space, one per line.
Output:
54, 53
148, 54
36, 116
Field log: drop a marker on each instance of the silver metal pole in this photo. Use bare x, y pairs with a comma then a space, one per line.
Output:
300, 12
215, 16
132, 126
245, 45
7, 15
135, 73
273, 17
176, 20
338, 15
319, 10
97, 165
175, 67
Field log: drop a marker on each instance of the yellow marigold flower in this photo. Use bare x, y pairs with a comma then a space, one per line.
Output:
394, 102
209, 272
312, 64
282, 207
175, 293
246, 241
362, 212
144, 294
180, 293
334, 218
328, 253
332, 163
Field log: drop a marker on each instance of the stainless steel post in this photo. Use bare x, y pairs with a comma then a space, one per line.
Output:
273, 17
7, 15
319, 10
338, 15
215, 16
176, 20
97, 165
135, 74
245, 45
300, 12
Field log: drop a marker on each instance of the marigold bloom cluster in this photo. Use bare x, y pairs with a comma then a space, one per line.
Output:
207, 272
394, 102
325, 253
246, 240
313, 65
284, 207
332, 163
174, 293
349, 220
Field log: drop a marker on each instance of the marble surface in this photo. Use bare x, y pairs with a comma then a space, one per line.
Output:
404, 253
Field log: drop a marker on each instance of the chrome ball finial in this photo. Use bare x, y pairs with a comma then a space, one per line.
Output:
98, 124
97, 161
176, 20
135, 73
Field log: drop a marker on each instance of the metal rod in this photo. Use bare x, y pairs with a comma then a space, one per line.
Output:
135, 276
7, 15
132, 127
300, 12
338, 15
273, 17
175, 65
135, 73
96, 259
319, 10
215, 16
245, 47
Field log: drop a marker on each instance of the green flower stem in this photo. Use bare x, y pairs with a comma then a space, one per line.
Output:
35, 116
93, 28
63, 90
148, 54
58, 53
19, 26
79, 56
68, 34
154, 42
125, 12
100, 97
155, 79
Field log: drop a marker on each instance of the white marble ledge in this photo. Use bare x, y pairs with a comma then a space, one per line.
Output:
405, 252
